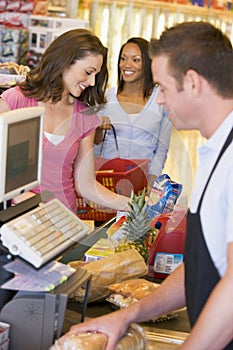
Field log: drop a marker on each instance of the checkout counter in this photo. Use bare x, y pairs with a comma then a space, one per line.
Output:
164, 334
167, 334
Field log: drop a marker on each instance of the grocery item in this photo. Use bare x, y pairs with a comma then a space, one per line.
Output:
136, 231
115, 268
136, 288
13, 68
163, 196
128, 292
139, 229
133, 339
100, 250
82, 341
167, 251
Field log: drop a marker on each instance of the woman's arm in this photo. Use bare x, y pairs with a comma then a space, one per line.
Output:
4, 106
150, 180
160, 156
85, 179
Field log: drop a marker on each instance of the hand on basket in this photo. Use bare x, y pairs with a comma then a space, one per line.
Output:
104, 126
106, 123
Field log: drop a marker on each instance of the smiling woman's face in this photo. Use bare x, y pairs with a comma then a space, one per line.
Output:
81, 74
131, 63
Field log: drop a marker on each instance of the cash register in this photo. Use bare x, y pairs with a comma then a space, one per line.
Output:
36, 230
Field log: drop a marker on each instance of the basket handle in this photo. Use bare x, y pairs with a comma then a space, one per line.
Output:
115, 139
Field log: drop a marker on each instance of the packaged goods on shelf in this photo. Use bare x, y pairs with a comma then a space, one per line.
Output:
13, 42
8, 80
44, 29
40, 7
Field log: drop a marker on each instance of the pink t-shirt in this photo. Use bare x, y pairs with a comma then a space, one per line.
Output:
58, 160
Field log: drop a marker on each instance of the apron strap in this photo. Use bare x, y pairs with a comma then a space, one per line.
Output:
226, 144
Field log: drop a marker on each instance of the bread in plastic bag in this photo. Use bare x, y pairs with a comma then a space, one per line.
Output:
134, 339
130, 291
118, 267
136, 288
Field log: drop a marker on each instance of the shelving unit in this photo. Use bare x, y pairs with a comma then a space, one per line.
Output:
44, 29
115, 21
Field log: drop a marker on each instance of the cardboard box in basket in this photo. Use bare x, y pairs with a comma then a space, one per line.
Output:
118, 175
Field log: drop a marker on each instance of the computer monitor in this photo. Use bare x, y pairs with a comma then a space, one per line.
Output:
20, 151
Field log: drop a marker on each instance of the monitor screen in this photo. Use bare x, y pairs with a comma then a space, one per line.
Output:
21, 151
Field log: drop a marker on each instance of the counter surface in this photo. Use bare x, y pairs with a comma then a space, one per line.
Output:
166, 334
179, 323
163, 335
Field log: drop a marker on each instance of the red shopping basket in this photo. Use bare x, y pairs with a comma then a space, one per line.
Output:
118, 175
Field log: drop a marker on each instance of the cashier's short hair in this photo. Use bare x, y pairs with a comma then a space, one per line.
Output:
199, 46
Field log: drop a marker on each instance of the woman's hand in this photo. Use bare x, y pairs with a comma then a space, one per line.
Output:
105, 125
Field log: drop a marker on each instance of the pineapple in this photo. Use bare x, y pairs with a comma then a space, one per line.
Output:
139, 233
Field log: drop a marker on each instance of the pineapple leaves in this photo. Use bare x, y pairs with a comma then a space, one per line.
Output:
137, 227
137, 223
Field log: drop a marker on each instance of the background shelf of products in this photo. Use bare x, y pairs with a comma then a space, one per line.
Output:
116, 21
30, 25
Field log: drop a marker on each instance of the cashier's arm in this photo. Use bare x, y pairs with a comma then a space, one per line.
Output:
214, 328
169, 296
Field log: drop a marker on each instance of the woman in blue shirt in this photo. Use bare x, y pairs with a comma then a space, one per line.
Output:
142, 128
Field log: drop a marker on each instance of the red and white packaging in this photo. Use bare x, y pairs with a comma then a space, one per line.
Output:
4, 335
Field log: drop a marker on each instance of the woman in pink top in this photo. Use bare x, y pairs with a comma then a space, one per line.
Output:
71, 77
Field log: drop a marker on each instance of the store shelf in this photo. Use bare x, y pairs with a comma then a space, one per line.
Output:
116, 21
57, 9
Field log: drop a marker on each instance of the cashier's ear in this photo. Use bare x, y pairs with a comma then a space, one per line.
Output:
193, 82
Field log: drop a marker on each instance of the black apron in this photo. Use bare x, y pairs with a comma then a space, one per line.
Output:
201, 275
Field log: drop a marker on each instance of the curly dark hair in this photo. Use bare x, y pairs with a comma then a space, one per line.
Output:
45, 81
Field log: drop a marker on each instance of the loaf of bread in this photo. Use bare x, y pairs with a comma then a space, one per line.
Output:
127, 292
133, 339
136, 288
115, 268
82, 341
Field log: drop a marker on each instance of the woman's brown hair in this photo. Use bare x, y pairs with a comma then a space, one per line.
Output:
45, 81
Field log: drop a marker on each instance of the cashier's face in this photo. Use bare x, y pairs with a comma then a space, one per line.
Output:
80, 75
177, 101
